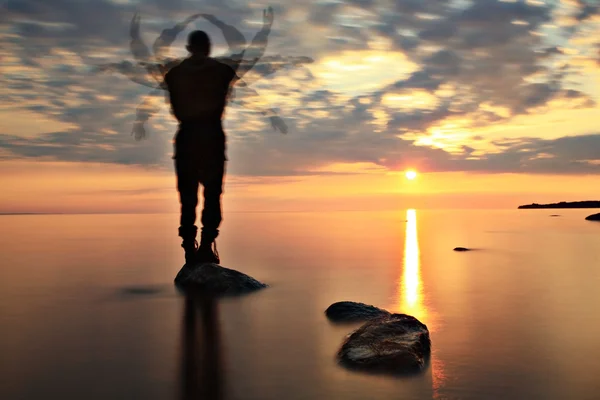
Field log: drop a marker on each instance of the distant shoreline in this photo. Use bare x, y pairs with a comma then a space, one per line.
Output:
564, 204
29, 213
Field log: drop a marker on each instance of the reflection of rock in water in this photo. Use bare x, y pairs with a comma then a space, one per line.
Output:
396, 344
212, 279
202, 369
349, 311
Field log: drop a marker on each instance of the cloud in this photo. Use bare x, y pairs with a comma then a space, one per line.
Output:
586, 10
481, 43
567, 155
464, 64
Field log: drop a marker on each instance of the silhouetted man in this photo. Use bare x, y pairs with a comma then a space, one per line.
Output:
198, 89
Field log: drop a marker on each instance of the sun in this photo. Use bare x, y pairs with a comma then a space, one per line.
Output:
411, 174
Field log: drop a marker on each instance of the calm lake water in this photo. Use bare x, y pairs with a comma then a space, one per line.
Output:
88, 309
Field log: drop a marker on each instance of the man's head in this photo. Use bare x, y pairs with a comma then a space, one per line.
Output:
198, 43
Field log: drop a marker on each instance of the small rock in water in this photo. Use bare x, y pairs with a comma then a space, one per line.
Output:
555, 215
349, 311
216, 280
593, 217
461, 249
397, 344
140, 290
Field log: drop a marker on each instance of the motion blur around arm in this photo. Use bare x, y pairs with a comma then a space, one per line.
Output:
244, 61
241, 61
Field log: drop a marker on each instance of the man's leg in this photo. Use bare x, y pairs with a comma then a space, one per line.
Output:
187, 186
211, 212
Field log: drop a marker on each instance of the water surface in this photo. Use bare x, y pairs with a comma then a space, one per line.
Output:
88, 309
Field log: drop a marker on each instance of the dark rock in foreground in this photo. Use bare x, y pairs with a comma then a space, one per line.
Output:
593, 217
212, 279
555, 215
349, 311
461, 249
397, 344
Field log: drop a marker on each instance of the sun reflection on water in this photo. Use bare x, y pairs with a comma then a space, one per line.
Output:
411, 286
411, 296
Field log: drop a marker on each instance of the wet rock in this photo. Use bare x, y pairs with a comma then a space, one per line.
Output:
397, 344
593, 217
461, 249
349, 311
213, 279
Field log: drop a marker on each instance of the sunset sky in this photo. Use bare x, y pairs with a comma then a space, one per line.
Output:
493, 103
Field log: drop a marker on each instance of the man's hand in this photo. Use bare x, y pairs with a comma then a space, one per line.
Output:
268, 16
278, 124
138, 132
189, 20
212, 19
234, 38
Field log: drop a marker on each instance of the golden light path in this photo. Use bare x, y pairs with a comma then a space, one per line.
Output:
411, 292
411, 296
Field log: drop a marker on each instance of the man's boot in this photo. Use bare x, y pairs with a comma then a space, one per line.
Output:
207, 253
191, 251
190, 245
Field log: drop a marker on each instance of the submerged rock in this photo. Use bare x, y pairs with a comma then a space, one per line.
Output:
213, 279
396, 344
349, 311
141, 291
593, 217
461, 249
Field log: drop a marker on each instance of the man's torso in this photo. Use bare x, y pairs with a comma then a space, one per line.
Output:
198, 89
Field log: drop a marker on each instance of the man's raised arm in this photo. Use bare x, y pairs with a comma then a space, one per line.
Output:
244, 61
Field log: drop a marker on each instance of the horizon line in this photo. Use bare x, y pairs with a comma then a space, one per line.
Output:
265, 211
